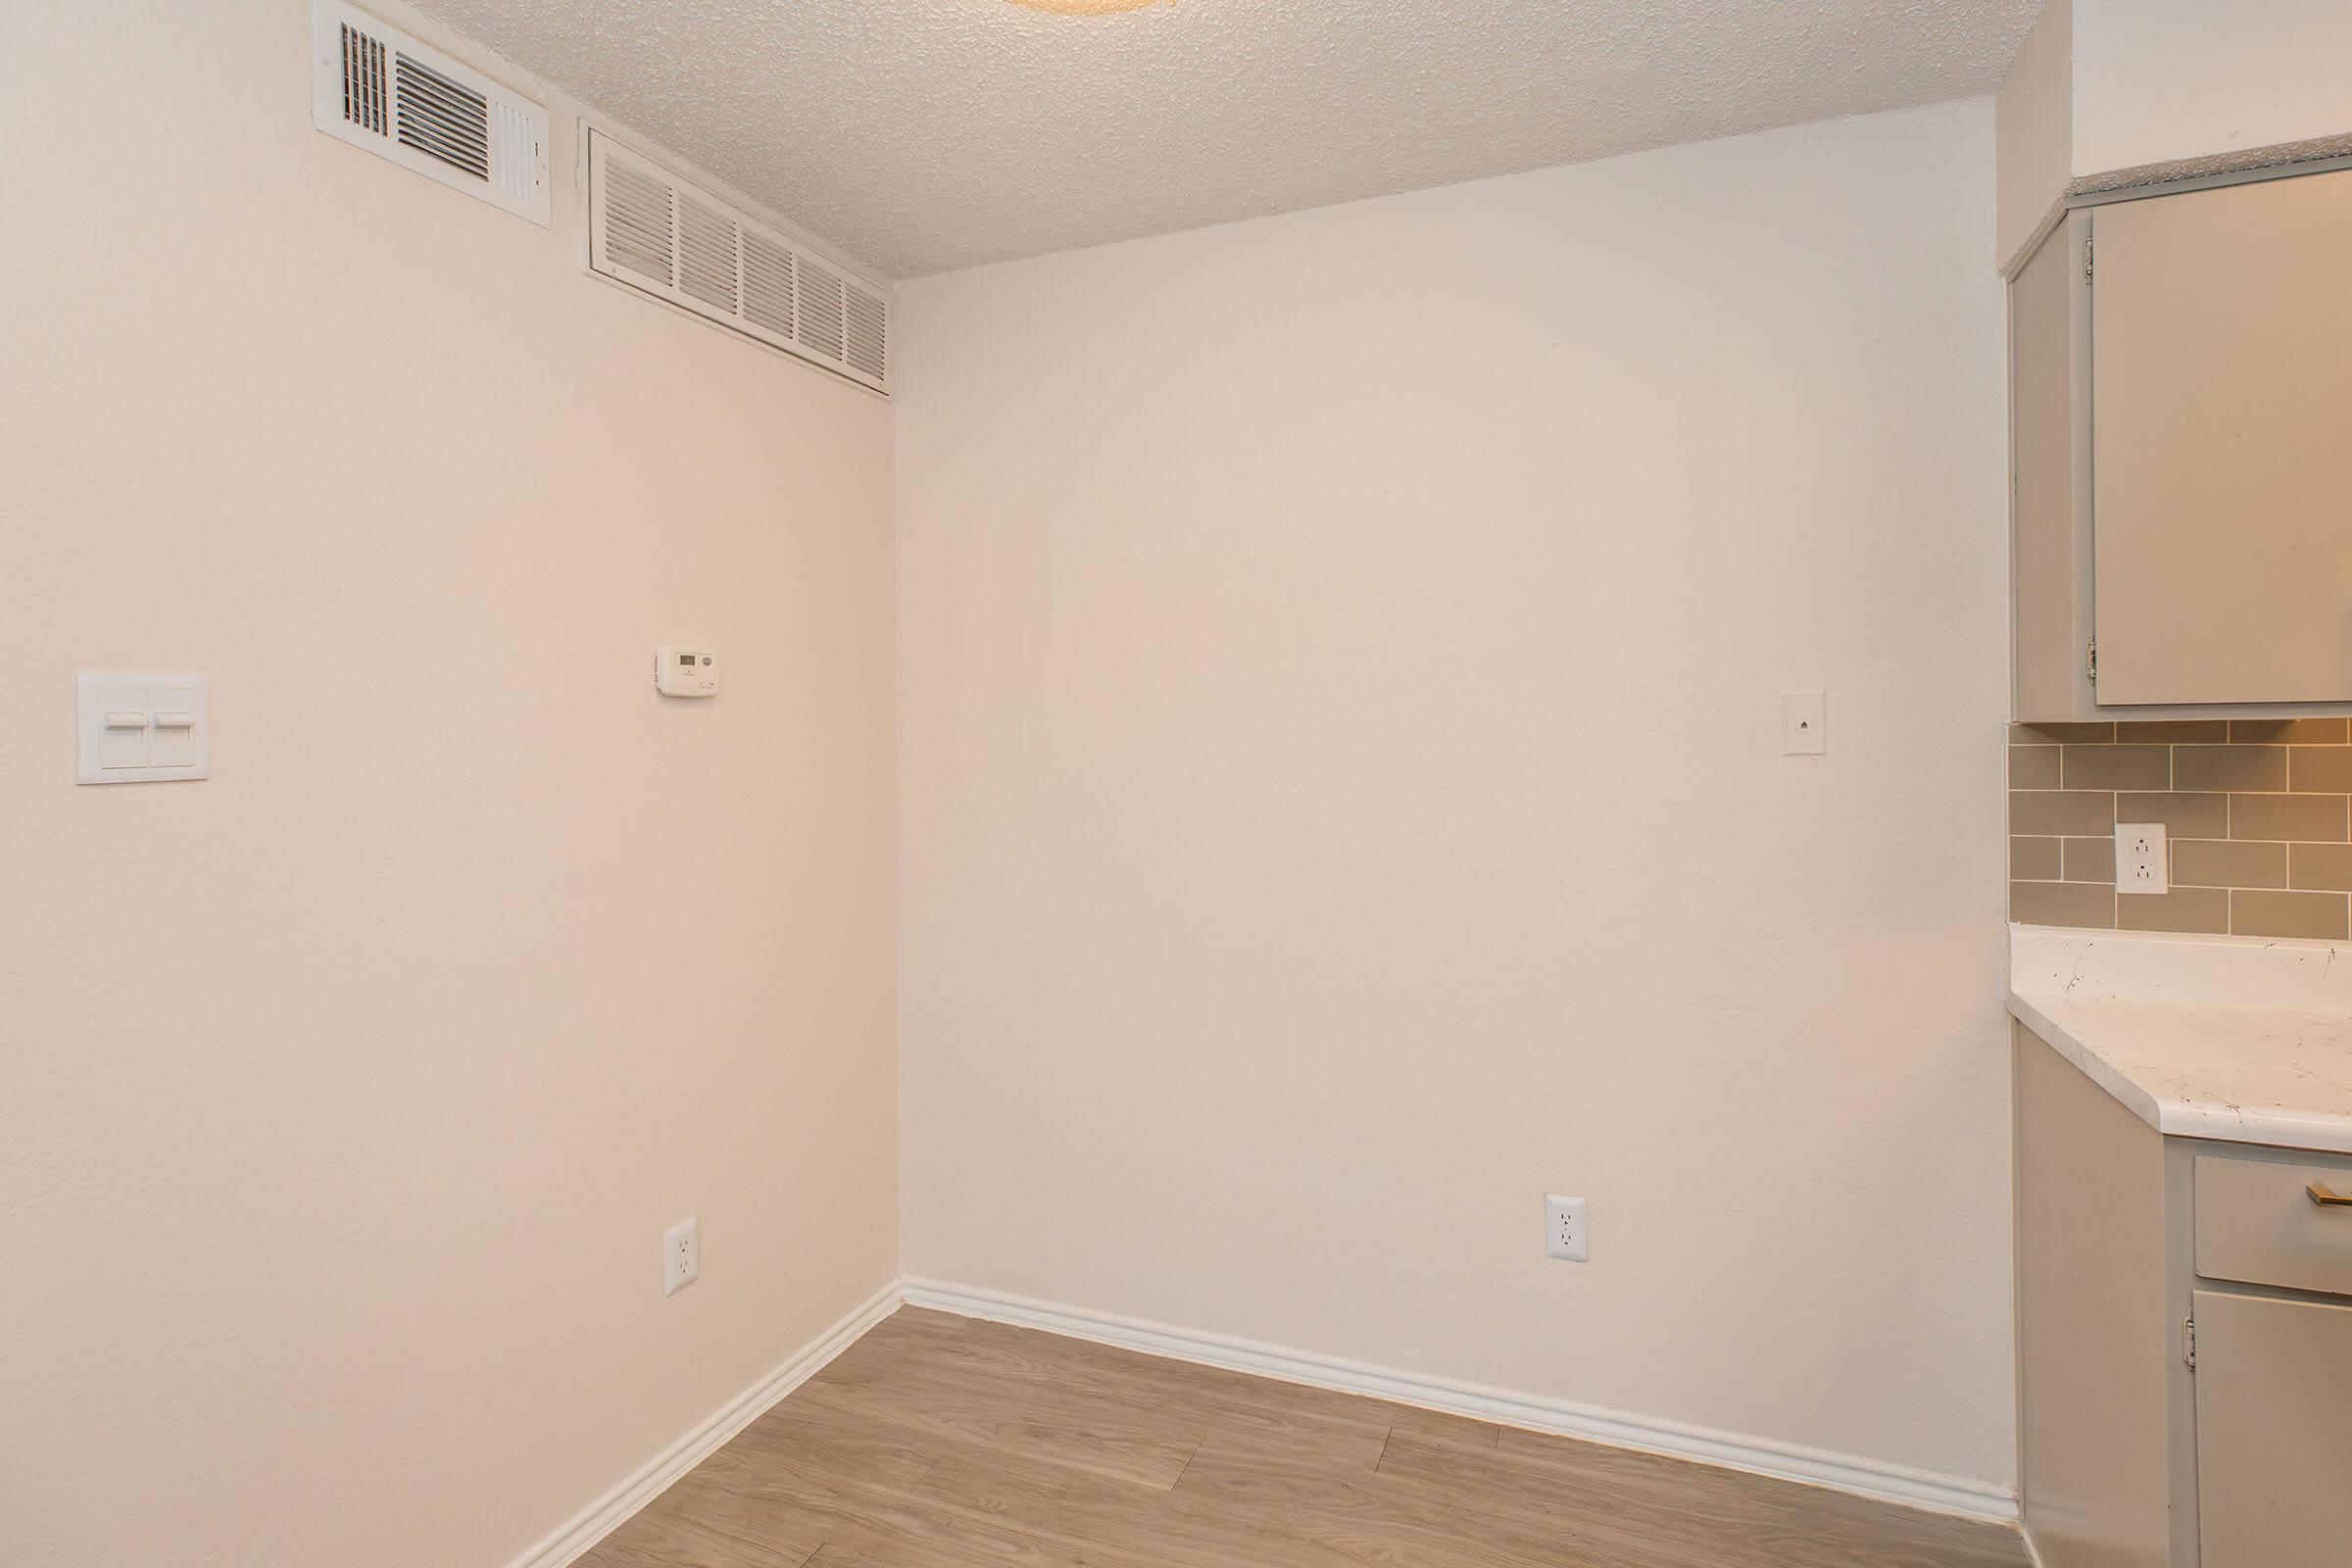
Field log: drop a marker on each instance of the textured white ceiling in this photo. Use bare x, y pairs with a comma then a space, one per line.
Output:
924, 135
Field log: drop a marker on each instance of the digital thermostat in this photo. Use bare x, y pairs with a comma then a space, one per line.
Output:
686, 672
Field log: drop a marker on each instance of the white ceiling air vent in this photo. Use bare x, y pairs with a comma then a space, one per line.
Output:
377, 88
669, 238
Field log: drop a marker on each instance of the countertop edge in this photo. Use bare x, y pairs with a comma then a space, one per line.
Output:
2174, 1118
2131, 1096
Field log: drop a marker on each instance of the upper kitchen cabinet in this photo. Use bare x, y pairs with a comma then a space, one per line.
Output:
2182, 447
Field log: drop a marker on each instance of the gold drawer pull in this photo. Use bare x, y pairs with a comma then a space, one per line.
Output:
2328, 1197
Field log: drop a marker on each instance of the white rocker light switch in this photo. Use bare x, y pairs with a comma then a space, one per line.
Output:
140, 730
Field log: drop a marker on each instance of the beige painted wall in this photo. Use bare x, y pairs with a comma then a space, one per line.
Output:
2101, 87
2034, 128
1341, 801
346, 1094
2162, 79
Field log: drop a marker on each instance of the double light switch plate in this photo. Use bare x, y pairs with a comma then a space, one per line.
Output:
142, 729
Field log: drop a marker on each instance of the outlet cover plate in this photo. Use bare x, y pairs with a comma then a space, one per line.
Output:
681, 1255
1564, 1234
2139, 858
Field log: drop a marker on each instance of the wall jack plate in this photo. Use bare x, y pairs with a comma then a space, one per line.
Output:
1804, 723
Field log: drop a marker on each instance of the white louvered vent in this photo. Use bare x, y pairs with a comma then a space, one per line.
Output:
638, 232
868, 347
767, 283
820, 311
707, 265
376, 87
656, 232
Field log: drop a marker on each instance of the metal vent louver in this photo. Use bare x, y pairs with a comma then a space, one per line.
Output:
820, 311
767, 283
707, 262
638, 233
867, 347
365, 96
440, 117
380, 90
668, 237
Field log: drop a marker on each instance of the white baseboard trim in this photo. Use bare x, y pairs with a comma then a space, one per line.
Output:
1869, 1478
605, 1515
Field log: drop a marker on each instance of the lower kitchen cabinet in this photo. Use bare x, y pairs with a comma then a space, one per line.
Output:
2185, 1338
2274, 1406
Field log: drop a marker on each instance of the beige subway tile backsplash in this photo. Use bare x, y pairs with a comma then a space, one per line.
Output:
2227, 863
2062, 904
2326, 866
2258, 813
2174, 731
2032, 768
2320, 769
2184, 816
2070, 734
2227, 767
2061, 812
2288, 817
2035, 859
2180, 910
2089, 861
2291, 731
2256, 913
2121, 768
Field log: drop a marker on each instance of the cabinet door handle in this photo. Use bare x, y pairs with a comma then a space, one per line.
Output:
2328, 1197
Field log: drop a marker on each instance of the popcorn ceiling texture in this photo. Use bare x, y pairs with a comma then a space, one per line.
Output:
921, 136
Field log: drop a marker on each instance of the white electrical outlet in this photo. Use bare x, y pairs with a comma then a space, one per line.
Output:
1564, 1229
2139, 862
681, 1255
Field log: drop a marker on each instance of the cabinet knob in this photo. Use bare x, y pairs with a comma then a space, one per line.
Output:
2328, 1197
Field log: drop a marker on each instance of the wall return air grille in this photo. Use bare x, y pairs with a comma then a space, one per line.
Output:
654, 232
376, 87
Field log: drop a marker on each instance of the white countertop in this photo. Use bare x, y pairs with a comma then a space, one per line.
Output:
2238, 1039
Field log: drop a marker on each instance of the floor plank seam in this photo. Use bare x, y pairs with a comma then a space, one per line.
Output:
1386, 1438
1186, 1465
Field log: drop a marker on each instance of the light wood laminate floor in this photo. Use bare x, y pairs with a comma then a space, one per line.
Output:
941, 1442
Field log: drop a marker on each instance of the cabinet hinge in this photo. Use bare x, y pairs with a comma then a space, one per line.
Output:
2087, 244
2091, 660
2189, 1341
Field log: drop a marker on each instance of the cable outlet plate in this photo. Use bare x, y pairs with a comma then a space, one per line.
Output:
1804, 723
1564, 1229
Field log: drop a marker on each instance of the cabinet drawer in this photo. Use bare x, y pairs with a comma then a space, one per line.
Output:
2260, 1221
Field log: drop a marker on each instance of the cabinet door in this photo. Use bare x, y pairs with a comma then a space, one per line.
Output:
2222, 444
2274, 1431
